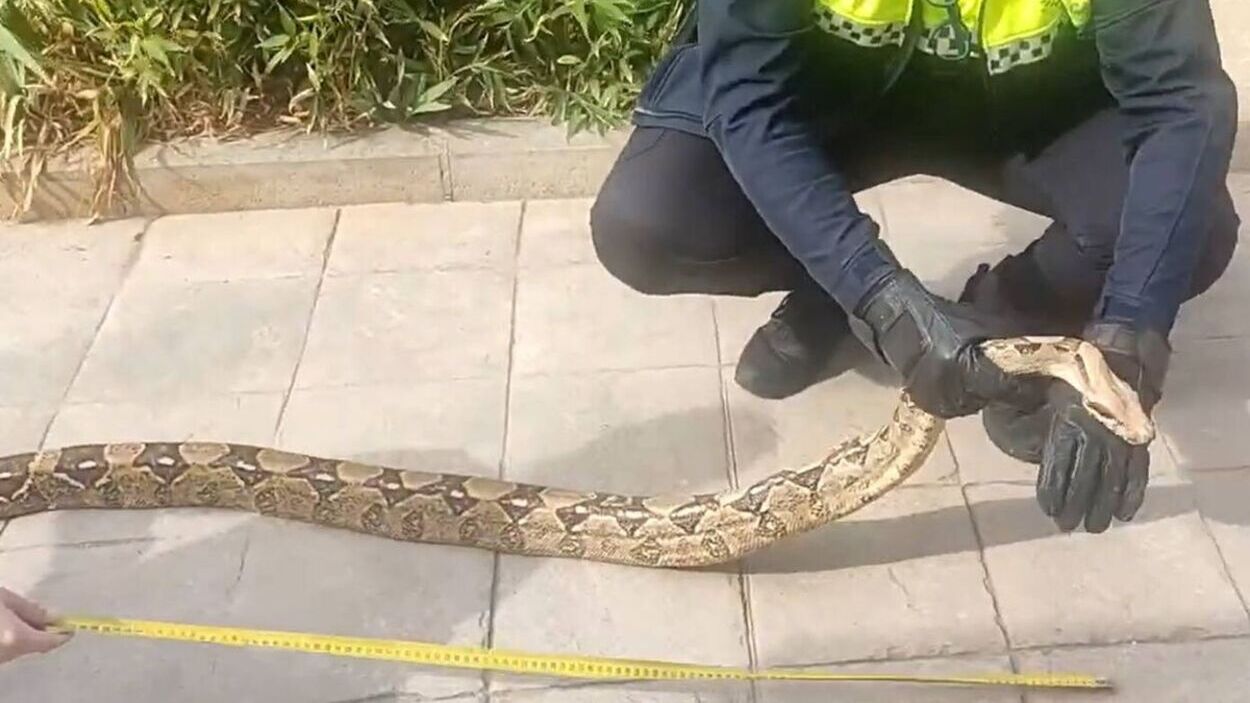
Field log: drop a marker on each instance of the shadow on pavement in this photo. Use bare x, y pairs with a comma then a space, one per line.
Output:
856, 543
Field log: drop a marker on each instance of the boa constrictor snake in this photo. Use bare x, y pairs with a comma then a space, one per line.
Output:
652, 531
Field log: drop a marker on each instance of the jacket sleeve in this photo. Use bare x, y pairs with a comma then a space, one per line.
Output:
749, 63
1161, 61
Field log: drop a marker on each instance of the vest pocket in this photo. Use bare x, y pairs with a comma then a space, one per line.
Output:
674, 89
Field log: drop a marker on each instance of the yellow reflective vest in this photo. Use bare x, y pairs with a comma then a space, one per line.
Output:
1006, 33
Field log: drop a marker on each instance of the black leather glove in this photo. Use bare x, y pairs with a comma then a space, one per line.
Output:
932, 343
1088, 473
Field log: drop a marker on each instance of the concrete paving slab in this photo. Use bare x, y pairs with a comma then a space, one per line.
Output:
422, 237
233, 246
306, 578
57, 281
792, 433
557, 232
899, 579
1222, 502
103, 529
945, 269
874, 692
579, 318
152, 577
1214, 670
1205, 414
1220, 312
168, 340
412, 326
243, 418
72, 251
967, 217
641, 432
1159, 577
617, 611
1231, 19
453, 426
30, 378
21, 429
973, 230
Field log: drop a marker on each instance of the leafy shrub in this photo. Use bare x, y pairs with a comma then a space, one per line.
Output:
113, 74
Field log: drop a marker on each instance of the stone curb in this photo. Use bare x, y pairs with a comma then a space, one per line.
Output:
469, 160
476, 160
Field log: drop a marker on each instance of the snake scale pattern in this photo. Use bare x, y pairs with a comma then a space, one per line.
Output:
651, 531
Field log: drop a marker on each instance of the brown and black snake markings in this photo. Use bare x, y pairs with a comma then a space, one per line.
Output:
650, 531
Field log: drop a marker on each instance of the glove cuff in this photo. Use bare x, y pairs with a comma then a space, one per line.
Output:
886, 324
1138, 356
881, 308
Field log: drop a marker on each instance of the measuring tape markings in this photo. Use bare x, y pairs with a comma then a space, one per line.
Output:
569, 666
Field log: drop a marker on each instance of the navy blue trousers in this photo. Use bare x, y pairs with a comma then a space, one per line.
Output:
670, 218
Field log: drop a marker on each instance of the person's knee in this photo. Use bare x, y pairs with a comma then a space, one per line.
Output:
627, 245
1221, 245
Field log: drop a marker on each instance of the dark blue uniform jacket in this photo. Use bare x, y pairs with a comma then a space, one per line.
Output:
768, 88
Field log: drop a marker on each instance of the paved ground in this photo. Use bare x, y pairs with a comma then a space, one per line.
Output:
485, 339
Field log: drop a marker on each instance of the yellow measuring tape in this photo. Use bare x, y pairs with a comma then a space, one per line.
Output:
563, 666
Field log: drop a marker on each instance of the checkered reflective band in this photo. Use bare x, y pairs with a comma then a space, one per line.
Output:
870, 35
941, 42
1019, 53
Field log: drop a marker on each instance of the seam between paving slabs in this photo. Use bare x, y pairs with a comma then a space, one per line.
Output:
731, 467
1067, 646
127, 270
1131, 642
1227, 570
312, 316
496, 558
987, 579
614, 369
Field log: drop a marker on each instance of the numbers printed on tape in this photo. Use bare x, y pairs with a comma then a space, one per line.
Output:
568, 666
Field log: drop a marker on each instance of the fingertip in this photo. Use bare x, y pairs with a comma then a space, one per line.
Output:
1068, 521
1109, 498
1063, 526
1098, 523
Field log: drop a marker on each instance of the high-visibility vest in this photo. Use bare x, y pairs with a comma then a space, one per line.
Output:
1005, 33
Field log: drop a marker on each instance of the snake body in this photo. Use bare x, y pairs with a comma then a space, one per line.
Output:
651, 531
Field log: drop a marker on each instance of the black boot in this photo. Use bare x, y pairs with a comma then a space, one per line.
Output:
1015, 290
791, 350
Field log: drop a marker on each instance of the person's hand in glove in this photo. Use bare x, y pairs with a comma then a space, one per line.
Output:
932, 343
1088, 473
